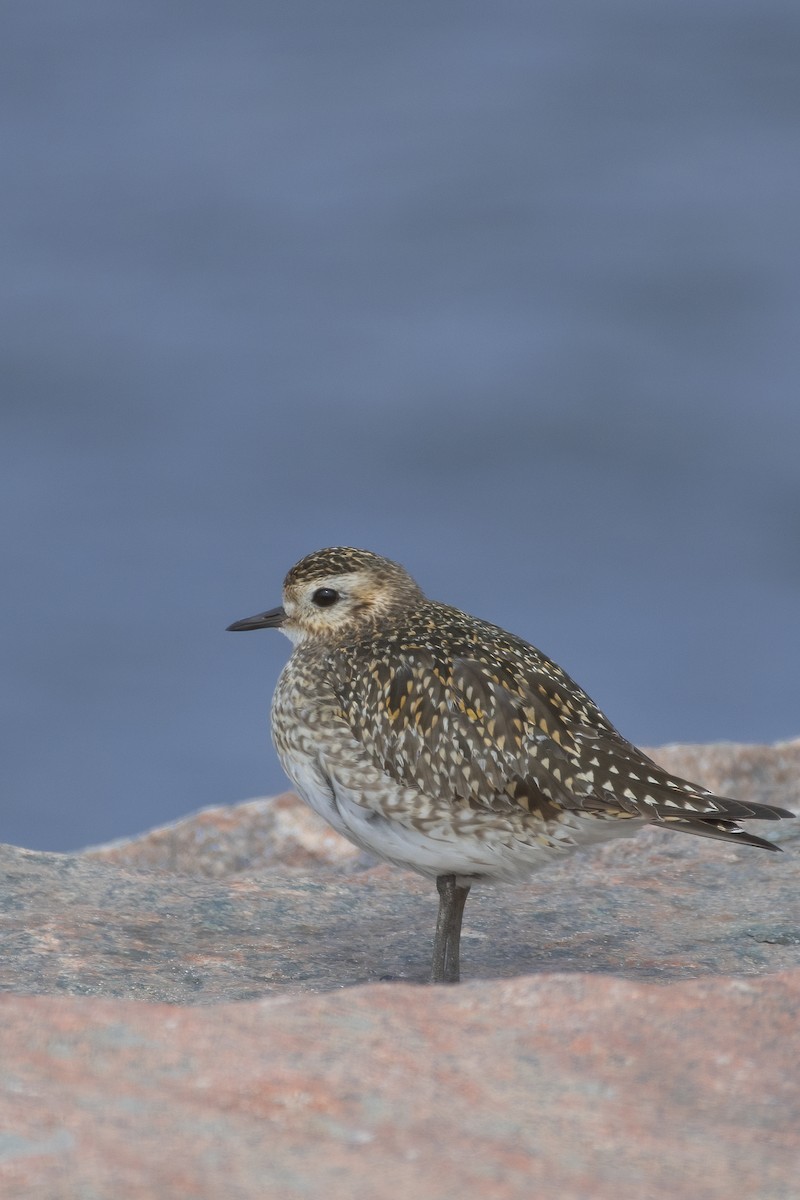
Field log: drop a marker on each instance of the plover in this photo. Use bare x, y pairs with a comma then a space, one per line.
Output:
443, 744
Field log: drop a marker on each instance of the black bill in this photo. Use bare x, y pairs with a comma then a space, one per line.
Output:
273, 619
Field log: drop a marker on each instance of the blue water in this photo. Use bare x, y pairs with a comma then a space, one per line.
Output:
508, 292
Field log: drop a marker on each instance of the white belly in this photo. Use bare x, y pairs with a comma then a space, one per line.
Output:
472, 846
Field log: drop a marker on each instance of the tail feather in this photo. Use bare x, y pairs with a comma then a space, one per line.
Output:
723, 831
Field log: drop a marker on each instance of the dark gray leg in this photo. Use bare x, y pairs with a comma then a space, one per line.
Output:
446, 944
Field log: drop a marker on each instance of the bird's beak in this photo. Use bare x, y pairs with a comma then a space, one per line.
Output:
273, 619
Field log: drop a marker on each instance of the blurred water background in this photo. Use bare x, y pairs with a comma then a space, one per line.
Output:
509, 292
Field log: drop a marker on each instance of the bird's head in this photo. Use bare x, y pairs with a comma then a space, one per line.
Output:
333, 593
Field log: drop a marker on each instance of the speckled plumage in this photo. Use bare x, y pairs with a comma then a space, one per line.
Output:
444, 744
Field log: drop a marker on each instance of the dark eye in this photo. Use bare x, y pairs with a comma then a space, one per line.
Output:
325, 597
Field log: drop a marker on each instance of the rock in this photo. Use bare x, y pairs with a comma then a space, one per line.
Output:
658, 906
629, 1029
555, 1087
247, 837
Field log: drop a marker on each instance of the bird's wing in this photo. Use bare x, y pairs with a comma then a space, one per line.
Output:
469, 731
497, 732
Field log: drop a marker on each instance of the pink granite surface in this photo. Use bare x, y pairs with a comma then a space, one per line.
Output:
199, 1013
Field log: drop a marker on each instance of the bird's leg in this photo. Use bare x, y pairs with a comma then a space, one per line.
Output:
446, 944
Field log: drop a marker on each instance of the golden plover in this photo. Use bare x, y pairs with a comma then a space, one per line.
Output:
441, 743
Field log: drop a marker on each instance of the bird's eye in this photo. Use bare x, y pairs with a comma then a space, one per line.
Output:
325, 597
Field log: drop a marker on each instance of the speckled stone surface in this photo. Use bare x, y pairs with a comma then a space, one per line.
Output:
235, 840
629, 1026
547, 1087
659, 907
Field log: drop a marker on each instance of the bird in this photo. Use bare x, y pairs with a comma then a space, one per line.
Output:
439, 742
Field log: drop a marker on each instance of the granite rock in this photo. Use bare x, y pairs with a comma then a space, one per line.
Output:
199, 1013
554, 1087
235, 840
